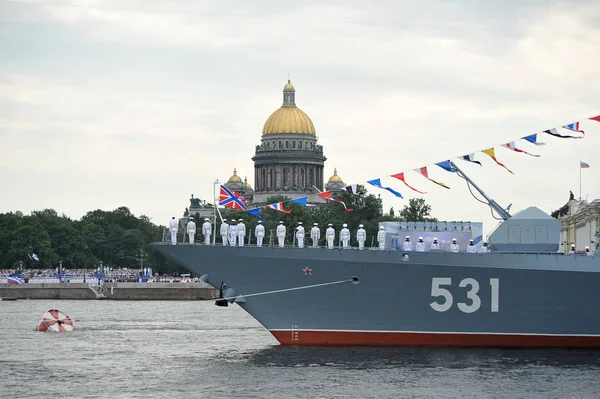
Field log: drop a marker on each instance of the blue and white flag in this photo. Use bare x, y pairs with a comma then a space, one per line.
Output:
470, 158
446, 165
300, 201
377, 183
532, 138
254, 212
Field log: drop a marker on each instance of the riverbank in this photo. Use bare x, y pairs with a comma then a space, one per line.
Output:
112, 291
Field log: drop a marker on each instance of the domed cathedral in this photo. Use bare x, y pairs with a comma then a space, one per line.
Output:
335, 184
236, 184
289, 161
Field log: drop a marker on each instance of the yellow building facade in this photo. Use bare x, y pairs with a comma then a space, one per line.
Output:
581, 225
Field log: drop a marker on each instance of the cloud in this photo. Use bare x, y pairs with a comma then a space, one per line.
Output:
146, 102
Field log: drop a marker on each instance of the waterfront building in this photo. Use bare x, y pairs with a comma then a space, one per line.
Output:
580, 225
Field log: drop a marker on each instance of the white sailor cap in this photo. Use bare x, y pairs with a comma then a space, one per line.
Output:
260, 221
360, 225
224, 220
206, 219
344, 225
280, 222
586, 247
408, 237
381, 227
329, 224
470, 240
434, 238
299, 222
316, 224
240, 220
421, 238
454, 240
572, 245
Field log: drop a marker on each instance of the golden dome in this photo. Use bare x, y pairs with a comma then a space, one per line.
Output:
289, 86
246, 185
335, 178
289, 119
235, 178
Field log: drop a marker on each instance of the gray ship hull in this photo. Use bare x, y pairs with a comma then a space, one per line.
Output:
349, 297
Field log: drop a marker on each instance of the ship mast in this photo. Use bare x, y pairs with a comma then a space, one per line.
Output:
493, 204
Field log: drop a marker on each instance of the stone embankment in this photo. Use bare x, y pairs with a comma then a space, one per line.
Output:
114, 291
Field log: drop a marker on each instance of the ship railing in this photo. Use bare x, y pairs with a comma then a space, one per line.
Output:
374, 248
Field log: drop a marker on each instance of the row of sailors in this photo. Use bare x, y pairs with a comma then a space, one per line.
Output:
573, 251
232, 234
407, 246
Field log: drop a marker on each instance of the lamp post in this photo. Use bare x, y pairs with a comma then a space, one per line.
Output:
141, 258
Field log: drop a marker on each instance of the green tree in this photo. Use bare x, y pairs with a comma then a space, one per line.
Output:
417, 210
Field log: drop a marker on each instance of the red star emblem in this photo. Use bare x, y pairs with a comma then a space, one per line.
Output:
307, 271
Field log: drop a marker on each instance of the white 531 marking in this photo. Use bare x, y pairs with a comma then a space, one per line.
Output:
472, 286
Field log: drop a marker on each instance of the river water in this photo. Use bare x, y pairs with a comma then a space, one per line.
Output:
193, 349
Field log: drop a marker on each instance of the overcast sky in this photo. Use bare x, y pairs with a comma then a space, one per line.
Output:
139, 103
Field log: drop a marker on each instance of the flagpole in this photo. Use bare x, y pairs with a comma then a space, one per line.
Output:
215, 212
580, 180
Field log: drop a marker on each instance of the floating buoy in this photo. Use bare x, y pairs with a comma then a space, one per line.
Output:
55, 321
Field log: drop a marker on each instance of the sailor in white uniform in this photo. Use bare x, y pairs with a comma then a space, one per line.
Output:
361, 236
241, 232
315, 235
191, 230
330, 235
345, 235
435, 245
381, 237
454, 246
207, 231
420, 247
300, 235
173, 227
587, 251
407, 245
573, 251
484, 248
232, 233
281, 234
259, 232
224, 232
471, 248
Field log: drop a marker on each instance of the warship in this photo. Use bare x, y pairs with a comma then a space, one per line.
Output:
523, 292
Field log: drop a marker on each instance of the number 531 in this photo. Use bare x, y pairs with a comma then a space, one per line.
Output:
472, 289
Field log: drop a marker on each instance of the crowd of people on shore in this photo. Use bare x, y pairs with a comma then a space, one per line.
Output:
79, 275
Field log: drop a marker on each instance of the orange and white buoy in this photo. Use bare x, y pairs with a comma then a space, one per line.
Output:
55, 321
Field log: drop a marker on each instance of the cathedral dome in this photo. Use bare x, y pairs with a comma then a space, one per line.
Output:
235, 178
289, 118
335, 178
289, 86
247, 185
335, 182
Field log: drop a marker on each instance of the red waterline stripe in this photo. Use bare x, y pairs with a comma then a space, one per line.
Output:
340, 338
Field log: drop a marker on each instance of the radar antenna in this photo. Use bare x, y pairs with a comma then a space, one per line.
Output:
490, 202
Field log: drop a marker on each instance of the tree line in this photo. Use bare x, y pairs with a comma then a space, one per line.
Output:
116, 237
